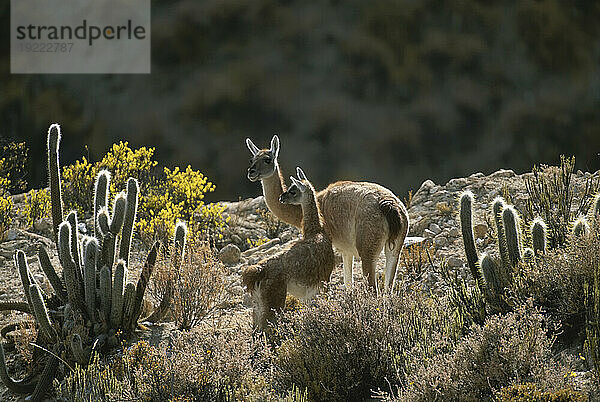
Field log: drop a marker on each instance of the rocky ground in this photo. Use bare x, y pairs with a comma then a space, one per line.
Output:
433, 216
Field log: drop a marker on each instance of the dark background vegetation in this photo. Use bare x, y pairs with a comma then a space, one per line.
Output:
391, 91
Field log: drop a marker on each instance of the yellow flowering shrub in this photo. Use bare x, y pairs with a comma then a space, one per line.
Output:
165, 196
37, 206
256, 243
121, 161
6, 205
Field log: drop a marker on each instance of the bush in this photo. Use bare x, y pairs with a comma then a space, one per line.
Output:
37, 206
556, 282
6, 205
551, 195
165, 196
13, 161
505, 349
349, 343
529, 392
198, 285
96, 382
121, 161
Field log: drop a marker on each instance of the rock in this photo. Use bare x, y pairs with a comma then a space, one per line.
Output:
435, 228
503, 173
457, 183
11, 234
42, 225
454, 262
453, 232
428, 233
480, 230
230, 254
236, 240
440, 241
426, 186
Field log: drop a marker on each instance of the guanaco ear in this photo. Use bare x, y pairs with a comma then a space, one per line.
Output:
300, 173
275, 146
253, 148
298, 183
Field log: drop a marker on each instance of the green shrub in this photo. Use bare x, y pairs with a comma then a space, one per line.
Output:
37, 206
96, 382
349, 343
503, 350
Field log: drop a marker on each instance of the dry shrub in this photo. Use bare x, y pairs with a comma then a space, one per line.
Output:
529, 392
26, 335
506, 349
556, 281
415, 259
197, 287
349, 343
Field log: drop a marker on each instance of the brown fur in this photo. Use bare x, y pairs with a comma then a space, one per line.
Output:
299, 269
362, 218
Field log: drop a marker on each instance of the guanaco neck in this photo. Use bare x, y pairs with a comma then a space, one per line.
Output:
273, 186
312, 220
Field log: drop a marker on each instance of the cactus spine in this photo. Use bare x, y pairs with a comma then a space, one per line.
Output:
75, 253
105, 292
497, 208
100, 194
102, 221
512, 232
53, 278
116, 308
130, 213
74, 291
538, 236
489, 271
21, 265
528, 254
54, 177
41, 313
90, 261
140, 288
128, 307
466, 225
118, 217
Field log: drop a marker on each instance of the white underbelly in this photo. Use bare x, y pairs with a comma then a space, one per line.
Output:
301, 291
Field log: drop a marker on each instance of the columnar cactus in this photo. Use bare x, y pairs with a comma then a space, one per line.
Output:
497, 208
89, 305
54, 176
538, 236
510, 219
101, 193
130, 213
466, 225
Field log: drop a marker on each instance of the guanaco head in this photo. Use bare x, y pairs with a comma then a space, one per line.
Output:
263, 163
298, 191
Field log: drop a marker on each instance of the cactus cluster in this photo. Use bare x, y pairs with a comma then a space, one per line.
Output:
493, 276
92, 299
